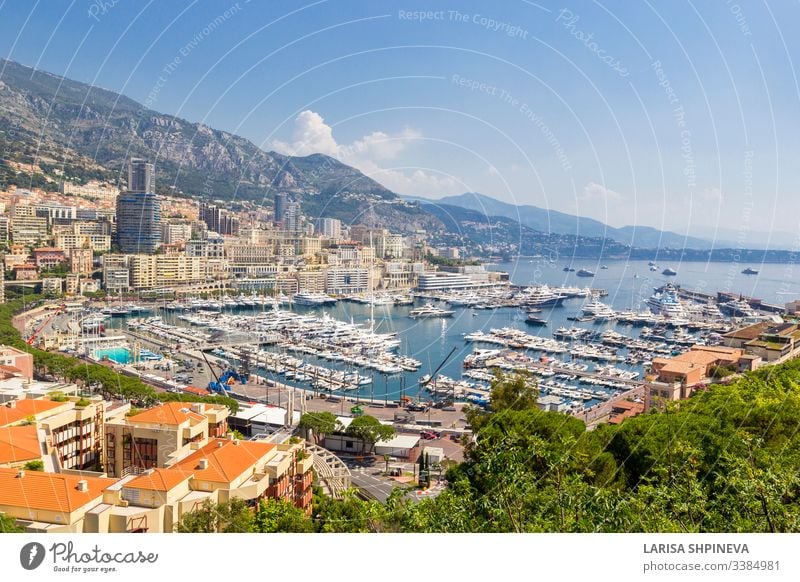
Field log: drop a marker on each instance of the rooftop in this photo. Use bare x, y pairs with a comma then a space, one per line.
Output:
19, 443
225, 459
22, 409
48, 491
159, 480
171, 413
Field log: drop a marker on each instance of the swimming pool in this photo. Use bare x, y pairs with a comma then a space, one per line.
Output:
118, 355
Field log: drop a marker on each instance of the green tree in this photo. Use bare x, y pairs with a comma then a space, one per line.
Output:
231, 516
9, 525
37, 465
370, 430
320, 424
280, 516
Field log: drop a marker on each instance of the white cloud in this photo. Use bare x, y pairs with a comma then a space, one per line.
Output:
594, 192
312, 135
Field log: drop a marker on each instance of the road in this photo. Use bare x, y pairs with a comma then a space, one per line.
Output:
372, 486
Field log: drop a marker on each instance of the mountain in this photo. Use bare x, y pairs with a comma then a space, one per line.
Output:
552, 221
83, 132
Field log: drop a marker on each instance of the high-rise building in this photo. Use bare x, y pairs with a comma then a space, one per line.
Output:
141, 176
292, 218
139, 212
330, 228
281, 200
219, 219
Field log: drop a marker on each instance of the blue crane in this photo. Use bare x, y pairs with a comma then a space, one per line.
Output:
222, 384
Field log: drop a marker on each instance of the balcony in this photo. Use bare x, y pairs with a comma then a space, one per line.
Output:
253, 488
304, 465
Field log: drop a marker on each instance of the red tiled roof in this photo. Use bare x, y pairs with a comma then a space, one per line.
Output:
159, 479
19, 443
226, 459
48, 491
172, 413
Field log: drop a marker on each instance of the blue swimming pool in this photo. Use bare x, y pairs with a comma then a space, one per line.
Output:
118, 355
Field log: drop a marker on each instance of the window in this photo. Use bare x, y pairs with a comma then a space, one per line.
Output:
145, 453
348, 444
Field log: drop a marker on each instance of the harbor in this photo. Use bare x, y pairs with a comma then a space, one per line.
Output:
587, 346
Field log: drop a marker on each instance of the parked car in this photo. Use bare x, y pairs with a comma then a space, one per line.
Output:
429, 435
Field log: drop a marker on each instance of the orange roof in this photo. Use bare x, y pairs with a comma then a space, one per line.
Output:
159, 479
172, 413
19, 443
25, 408
48, 491
226, 459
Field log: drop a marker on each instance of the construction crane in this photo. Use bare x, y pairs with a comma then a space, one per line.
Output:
222, 384
32, 338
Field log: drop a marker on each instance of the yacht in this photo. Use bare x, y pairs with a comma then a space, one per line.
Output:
598, 310
749, 271
541, 296
312, 299
585, 273
666, 303
669, 272
738, 308
532, 319
428, 311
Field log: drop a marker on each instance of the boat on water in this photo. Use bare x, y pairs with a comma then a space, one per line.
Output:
598, 310
541, 296
669, 272
749, 271
666, 302
532, 319
653, 268
429, 311
738, 308
569, 270
312, 299
585, 273
604, 268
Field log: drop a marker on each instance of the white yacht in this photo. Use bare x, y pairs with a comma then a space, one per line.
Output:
429, 310
312, 299
541, 296
598, 310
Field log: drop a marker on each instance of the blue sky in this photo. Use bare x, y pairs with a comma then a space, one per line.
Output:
670, 114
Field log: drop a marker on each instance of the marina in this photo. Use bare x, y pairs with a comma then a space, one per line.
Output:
584, 345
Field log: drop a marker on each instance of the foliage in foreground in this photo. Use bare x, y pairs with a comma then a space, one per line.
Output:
726, 460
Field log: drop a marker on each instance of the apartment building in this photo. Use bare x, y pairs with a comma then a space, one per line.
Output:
49, 257
95, 242
69, 428
26, 227
81, 261
175, 232
52, 285
347, 280
155, 500
148, 271
16, 362
159, 436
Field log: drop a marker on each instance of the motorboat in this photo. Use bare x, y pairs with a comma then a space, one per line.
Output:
541, 296
429, 311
